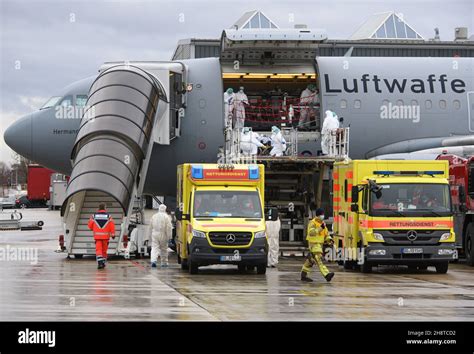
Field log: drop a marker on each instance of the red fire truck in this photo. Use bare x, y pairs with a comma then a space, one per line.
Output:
461, 181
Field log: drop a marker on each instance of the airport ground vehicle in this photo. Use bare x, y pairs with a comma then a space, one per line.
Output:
461, 180
38, 183
13, 221
393, 212
220, 216
57, 189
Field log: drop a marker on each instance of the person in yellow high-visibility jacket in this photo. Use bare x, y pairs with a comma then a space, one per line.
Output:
317, 236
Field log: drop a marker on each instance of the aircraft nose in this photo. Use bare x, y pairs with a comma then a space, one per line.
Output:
18, 136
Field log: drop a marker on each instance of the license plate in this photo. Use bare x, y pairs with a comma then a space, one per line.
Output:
230, 258
412, 250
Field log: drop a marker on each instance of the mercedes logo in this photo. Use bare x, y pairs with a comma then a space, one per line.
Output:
230, 238
412, 235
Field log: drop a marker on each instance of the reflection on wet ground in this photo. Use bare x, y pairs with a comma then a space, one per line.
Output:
56, 288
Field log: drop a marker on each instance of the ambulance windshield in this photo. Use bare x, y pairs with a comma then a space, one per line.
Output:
227, 204
402, 199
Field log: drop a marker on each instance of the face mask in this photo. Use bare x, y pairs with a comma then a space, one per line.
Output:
321, 217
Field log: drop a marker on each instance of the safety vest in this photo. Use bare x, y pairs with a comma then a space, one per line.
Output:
102, 225
315, 234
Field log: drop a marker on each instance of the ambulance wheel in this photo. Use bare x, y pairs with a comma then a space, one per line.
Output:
193, 267
261, 268
349, 265
468, 250
184, 264
78, 256
242, 268
366, 267
442, 268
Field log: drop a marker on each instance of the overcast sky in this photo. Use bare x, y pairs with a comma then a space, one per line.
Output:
45, 45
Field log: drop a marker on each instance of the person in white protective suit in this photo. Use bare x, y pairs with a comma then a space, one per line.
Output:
240, 101
273, 226
161, 232
229, 97
256, 143
308, 100
278, 142
330, 123
249, 143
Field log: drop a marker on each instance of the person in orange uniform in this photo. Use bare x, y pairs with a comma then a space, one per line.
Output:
103, 227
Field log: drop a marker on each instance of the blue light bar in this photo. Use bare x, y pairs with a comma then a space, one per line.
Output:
254, 172
197, 172
384, 172
409, 173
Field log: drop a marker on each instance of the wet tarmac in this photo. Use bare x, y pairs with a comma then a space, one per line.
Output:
51, 287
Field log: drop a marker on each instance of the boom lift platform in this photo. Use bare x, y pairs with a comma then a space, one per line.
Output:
294, 183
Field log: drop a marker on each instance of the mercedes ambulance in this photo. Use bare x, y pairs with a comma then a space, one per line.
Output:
393, 212
221, 216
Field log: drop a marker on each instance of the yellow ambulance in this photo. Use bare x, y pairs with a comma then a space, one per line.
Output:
220, 216
393, 212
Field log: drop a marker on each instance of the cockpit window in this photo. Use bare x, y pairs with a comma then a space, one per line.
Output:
81, 100
66, 101
51, 102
